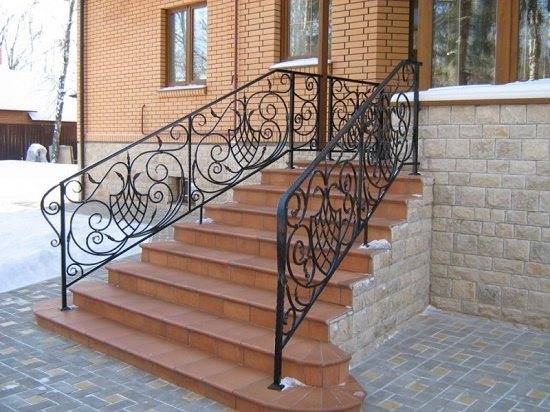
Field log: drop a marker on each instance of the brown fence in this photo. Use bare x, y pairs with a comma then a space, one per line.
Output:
15, 139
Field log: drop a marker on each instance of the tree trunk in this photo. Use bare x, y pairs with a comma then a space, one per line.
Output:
534, 18
61, 91
464, 17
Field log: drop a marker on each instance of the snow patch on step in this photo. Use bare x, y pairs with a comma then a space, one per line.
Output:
379, 244
206, 220
289, 382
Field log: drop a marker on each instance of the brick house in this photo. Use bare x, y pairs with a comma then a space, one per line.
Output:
470, 235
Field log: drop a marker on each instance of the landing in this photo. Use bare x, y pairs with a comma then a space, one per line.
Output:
435, 361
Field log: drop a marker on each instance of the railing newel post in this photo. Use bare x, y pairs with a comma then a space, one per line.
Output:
330, 112
63, 248
282, 214
291, 120
360, 180
415, 120
189, 164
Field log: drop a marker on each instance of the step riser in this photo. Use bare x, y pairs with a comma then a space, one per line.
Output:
230, 398
255, 277
234, 217
173, 376
356, 262
313, 375
386, 209
249, 314
284, 179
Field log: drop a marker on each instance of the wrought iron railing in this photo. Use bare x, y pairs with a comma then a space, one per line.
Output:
326, 209
101, 212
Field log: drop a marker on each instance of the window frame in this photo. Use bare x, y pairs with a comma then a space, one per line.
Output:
285, 34
506, 47
189, 42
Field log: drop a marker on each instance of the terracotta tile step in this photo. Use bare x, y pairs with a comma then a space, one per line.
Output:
265, 218
302, 163
219, 297
392, 206
235, 386
312, 362
404, 183
240, 268
257, 243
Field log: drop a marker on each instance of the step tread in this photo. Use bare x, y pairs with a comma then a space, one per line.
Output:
244, 383
341, 277
299, 349
249, 233
390, 197
299, 169
272, 211
264, 299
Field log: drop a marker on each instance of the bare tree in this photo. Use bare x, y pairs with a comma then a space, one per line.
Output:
61, 89
18, 47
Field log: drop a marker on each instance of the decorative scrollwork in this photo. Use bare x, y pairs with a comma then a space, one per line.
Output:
328, 207
113, 205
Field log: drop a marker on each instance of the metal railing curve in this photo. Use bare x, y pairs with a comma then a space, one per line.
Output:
112, 205
321, 215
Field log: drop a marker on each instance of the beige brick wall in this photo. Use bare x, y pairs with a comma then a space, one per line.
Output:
125, 56
491, 232
399, 286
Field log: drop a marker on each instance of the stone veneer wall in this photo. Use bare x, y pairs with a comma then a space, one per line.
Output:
399, 286
491, 236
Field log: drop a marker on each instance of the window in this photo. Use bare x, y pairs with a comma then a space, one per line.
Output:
534, 40
187, 28
482, 41
301, 32
463, 42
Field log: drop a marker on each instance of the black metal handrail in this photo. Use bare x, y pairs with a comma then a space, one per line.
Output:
313, 238
107, 208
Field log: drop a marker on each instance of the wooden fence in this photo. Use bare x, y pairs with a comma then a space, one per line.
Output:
15, 139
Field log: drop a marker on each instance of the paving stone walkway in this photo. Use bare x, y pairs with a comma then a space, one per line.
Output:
436, 361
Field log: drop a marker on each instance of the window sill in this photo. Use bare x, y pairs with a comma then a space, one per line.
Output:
292, 64
525, 92
185, 90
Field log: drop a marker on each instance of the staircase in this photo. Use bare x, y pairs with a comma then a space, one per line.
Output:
201, 310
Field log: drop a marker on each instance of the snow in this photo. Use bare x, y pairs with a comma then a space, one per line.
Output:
381, 244
205, 220
288, 383
518, 90
289, 64
37, 153
26, 256
30, 92
24, 183
185, 87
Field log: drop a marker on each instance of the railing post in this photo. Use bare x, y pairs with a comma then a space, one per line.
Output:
281, 286
330, 112
189, 163
291, 121
360, 178
63, 248
416, 109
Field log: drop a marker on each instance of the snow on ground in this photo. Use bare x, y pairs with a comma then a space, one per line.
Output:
24, 183
26, 256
